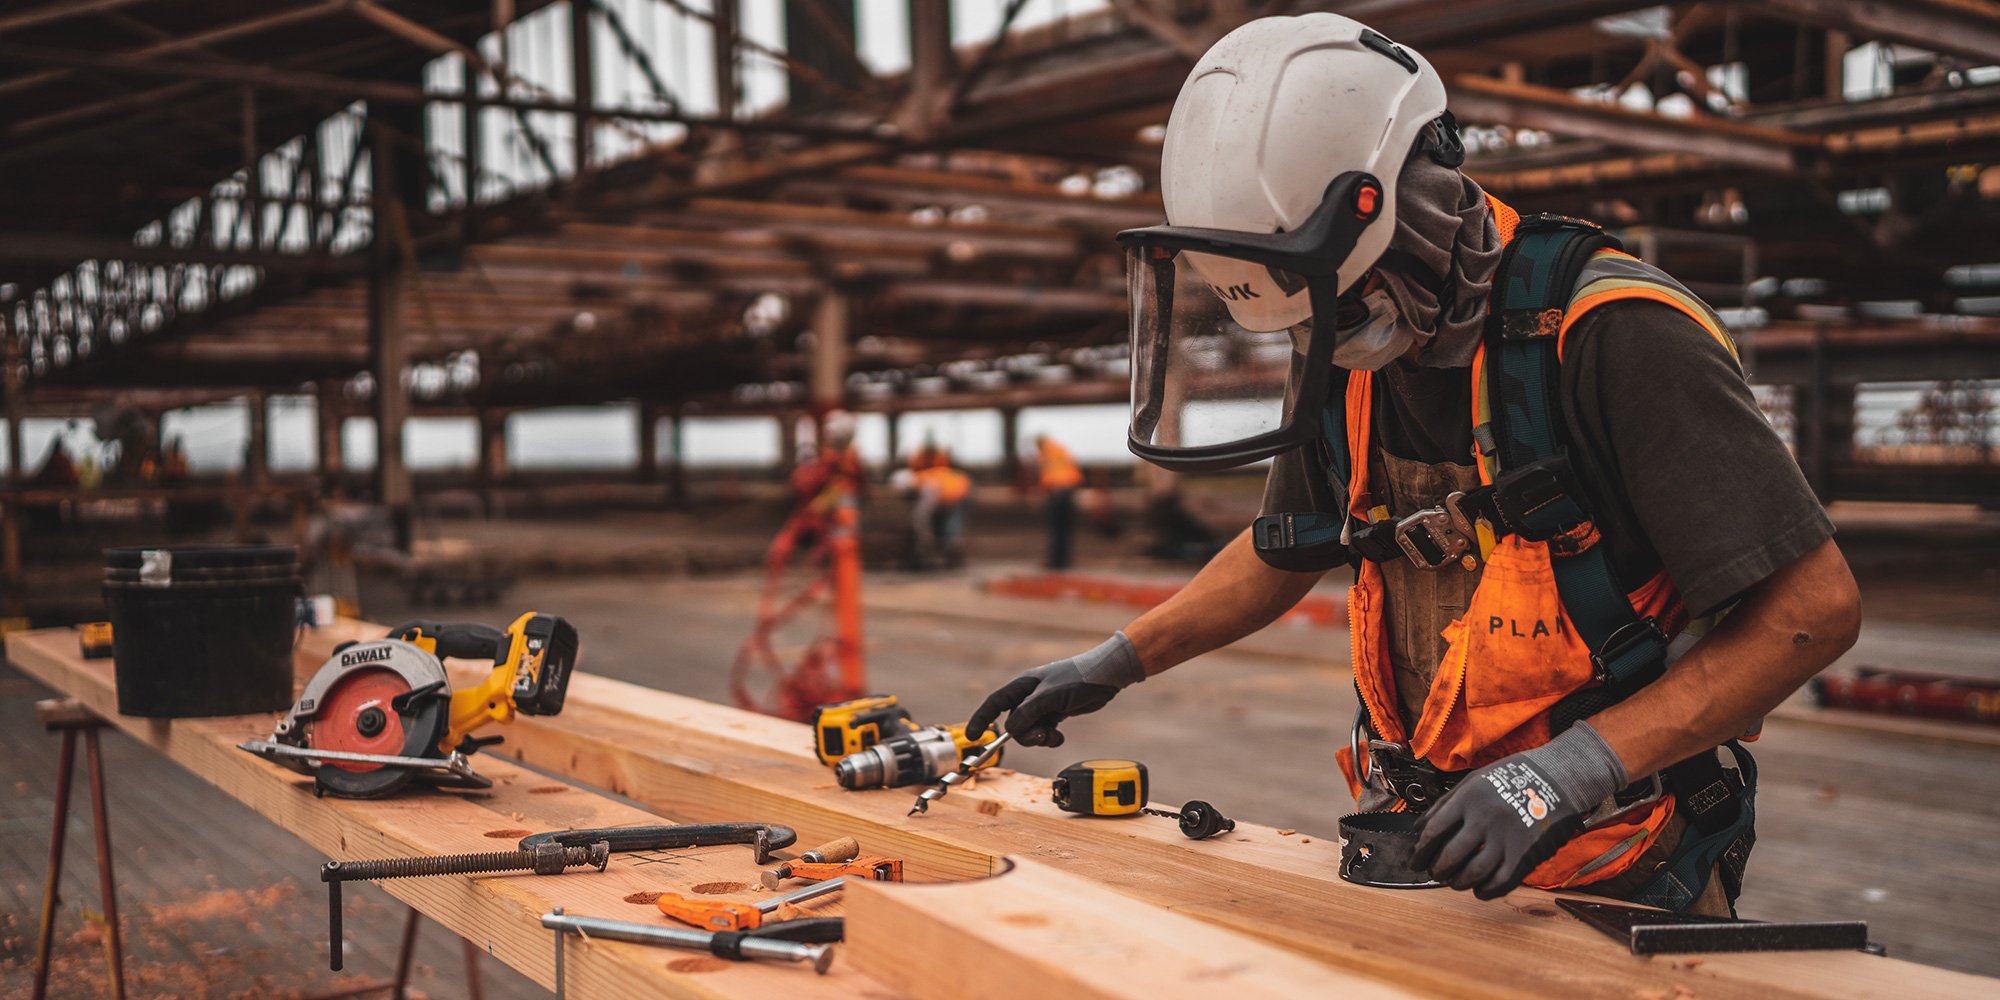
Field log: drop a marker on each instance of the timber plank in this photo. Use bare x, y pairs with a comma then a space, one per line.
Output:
711, 762
496, 912
1033, 931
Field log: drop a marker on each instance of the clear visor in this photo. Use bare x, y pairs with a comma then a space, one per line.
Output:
1212, 344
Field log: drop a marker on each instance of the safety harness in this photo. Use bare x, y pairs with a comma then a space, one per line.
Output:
1531, 492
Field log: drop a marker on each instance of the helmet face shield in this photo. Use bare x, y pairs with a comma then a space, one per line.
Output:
1216, 319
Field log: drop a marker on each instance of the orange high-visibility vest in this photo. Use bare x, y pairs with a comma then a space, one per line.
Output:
1514, 654
951, 485
1059, 469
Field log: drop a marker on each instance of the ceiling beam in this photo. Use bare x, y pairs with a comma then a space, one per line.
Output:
381, 91
1965, 28
1758, 147
49, 13
68, 248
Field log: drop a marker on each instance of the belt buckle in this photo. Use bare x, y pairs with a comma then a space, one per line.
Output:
1445, 527
1611, 808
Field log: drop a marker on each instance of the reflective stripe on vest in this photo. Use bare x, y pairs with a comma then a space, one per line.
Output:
1514, 653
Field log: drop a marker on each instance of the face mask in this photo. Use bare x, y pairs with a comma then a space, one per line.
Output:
1379, 338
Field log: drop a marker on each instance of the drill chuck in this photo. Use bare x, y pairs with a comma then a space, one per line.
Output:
910, 759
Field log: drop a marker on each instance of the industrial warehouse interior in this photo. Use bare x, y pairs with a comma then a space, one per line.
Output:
999, 499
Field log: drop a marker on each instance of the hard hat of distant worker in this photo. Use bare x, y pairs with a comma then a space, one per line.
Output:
1279, 177
838, 426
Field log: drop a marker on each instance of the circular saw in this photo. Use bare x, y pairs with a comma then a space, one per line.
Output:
381, 713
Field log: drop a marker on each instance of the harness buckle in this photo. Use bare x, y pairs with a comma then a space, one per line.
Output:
1403, 774
1437, 536
1629, 637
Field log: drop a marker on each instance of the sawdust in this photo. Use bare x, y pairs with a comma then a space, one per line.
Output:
547, 789
219, 903
644, 898
693, 965
507, 834
718, 888
990, 808
1286, 832
1305, 840
1024, 919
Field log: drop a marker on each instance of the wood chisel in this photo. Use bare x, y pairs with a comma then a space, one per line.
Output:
964, 771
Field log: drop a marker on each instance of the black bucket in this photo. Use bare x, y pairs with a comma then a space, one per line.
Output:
202, 630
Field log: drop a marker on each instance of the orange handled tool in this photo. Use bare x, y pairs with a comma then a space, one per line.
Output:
716, 915
833, 860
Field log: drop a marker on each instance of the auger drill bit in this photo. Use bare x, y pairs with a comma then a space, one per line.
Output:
965, 769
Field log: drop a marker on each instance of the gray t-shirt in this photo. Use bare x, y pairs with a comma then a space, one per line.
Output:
1678, 465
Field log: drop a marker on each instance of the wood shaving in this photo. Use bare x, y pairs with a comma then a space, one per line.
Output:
1286, 832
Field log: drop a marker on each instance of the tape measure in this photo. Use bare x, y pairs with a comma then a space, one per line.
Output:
1101, 788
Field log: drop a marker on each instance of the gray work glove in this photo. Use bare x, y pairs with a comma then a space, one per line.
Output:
1040, 699
1508, 817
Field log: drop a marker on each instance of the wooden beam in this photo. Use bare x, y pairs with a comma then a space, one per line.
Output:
49, 13
1484, 99
1035, 931
388, 346
68, 248
378, 91
832, 317
1966, 28
583, 84
197, 40
714, 762
497, 913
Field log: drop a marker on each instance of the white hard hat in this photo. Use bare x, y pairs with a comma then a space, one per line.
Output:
838, 426
1270, 115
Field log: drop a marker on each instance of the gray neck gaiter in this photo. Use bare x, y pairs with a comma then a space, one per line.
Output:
1443, 221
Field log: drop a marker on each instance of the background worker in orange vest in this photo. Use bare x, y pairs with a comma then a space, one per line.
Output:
1059, 480
1548, 495
937, 513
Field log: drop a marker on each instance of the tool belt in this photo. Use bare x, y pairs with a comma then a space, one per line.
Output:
1391, 767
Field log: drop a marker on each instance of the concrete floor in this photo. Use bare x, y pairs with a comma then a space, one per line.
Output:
1852, 825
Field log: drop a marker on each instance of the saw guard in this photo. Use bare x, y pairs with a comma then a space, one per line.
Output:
355, 677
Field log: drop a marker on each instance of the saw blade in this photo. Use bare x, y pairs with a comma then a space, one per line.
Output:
355, 712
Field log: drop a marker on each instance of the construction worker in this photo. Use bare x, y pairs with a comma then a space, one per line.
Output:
939, 512
1538, 453
1059, 479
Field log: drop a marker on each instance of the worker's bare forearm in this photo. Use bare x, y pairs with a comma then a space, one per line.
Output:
1788, 628
1234, 595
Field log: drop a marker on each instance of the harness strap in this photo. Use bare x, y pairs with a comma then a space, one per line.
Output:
1535, 494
